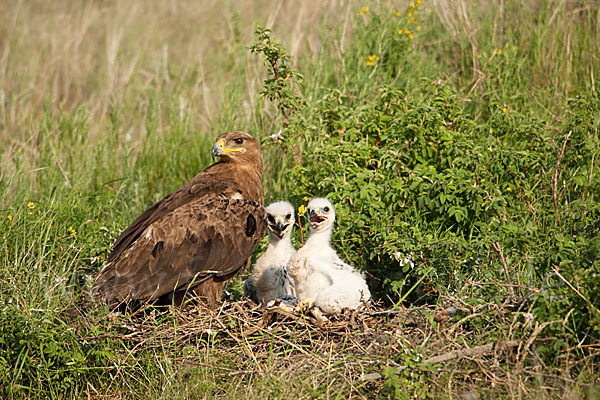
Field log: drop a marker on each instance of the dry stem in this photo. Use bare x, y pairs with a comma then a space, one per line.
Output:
555, 193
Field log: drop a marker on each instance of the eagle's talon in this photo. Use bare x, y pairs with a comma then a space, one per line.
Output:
305, 304
318, 314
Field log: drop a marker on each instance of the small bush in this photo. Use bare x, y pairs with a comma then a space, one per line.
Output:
431, 191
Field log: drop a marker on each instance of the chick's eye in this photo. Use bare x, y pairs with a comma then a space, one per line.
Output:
239, 141
288, 216
270, 218
326, 209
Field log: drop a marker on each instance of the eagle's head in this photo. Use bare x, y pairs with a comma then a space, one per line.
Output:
321, 214
280, 218
236, 147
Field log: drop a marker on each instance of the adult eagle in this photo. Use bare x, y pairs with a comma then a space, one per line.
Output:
196, 238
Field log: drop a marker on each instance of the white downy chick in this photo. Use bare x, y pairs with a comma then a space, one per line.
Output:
316, 270
269, 279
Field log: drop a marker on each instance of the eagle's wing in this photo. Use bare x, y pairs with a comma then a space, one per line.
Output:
209, 236
200, 186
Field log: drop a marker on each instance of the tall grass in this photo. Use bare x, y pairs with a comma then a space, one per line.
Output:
105, 107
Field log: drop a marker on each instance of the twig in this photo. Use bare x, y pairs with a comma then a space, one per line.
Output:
110, 336
296, 153
286, 154
534, 290
463, 320
589, 303
300, 229
497, 247
522, 194
279, 106
454, 354
537, 330
519, 281
538, 374
555, 178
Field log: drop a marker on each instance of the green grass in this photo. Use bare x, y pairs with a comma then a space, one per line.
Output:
106, 107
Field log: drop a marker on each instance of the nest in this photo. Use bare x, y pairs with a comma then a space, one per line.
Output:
358, 345
367, 331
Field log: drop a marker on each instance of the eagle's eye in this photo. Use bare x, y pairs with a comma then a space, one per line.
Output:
326, 209
271, 219
239, 141
288, 216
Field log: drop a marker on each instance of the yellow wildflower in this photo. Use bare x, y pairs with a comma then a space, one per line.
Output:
418, 27
410, 13
364, 11
10, 217
397, 14
72, 231
30, 205
301, 210
306, 198
499, 51
371, 60
504, 109
508, 189
410, 36
418, 2
407, 32
400, 31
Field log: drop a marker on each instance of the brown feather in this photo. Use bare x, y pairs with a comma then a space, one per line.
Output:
196, 238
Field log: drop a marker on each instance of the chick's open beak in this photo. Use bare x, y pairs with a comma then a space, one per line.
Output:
279, 227
314, 218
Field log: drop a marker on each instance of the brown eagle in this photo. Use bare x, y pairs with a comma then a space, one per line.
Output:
196, 238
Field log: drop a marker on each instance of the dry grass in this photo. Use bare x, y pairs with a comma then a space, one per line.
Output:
122, 62
343, 356
560, 56
97, 53
114, 55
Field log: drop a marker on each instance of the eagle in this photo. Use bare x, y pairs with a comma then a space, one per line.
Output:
269, 279
316, 270
195, 239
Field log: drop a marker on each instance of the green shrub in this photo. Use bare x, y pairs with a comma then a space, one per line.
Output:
459, 190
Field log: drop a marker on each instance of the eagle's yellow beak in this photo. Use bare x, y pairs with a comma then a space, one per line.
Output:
219, 149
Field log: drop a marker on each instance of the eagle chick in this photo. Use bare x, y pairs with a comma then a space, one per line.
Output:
269, 279
316, 270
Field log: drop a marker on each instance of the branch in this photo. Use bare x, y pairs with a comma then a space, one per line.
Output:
588, 302
299, 223
555, 178
285, 152
453, 355
279, 106
497, 247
